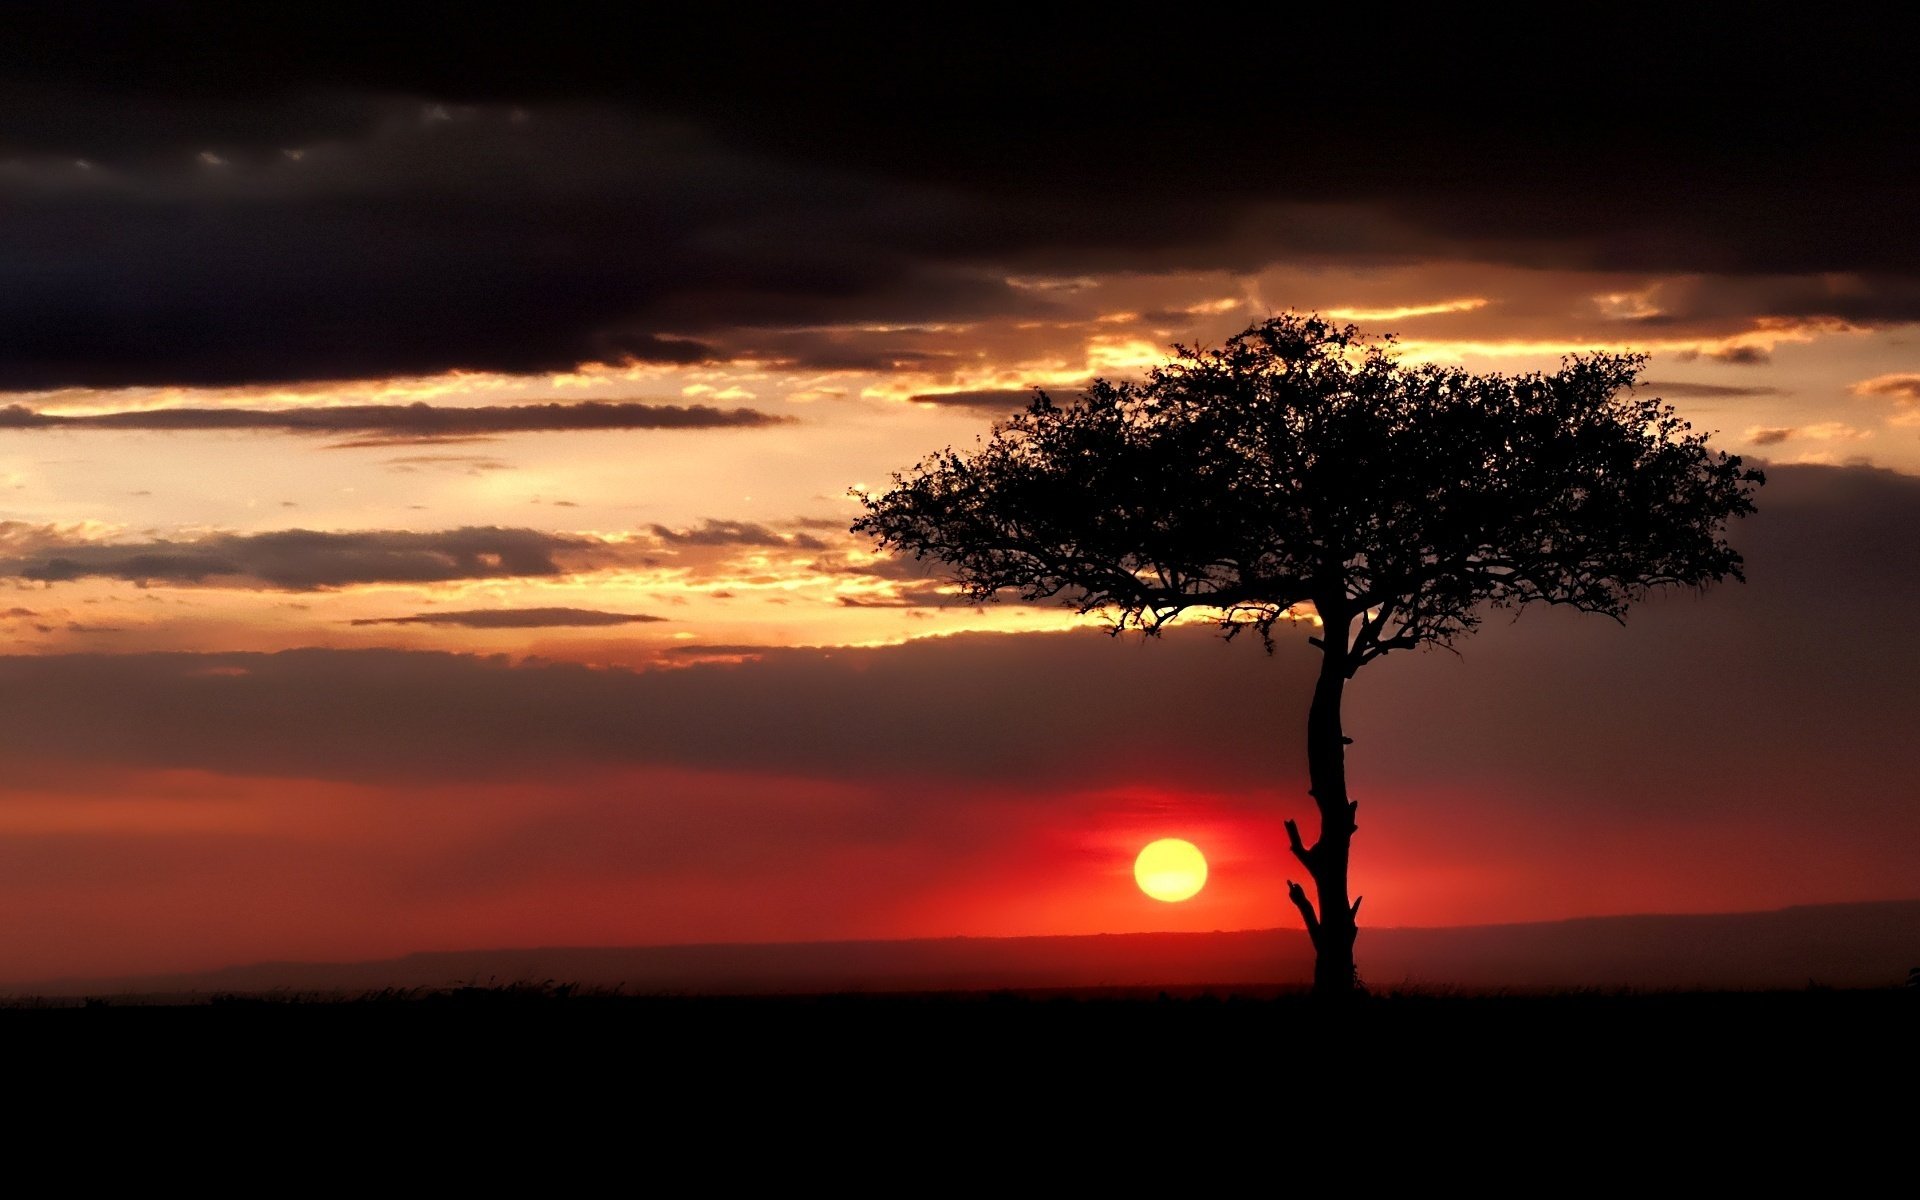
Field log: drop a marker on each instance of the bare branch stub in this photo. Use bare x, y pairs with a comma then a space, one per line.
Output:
1298, 895
1300, 851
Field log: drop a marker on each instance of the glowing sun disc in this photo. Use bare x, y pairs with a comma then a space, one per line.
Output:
1170, 869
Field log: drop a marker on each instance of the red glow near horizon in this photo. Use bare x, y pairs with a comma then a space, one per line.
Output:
139, 876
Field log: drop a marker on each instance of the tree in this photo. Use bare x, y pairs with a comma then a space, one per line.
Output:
1304, 467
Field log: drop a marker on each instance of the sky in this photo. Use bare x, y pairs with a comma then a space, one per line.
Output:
428, 439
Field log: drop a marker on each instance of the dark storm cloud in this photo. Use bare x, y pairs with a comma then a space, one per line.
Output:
417, 421
516, 618
1870, 297
1740, 698
295, 559
205, 194
420, 244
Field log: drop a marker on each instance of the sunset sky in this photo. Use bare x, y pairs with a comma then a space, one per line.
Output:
427, 443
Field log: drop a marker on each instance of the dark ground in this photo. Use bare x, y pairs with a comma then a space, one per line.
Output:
1502, 1093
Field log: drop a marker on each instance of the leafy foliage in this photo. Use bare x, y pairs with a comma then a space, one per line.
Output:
1303, 464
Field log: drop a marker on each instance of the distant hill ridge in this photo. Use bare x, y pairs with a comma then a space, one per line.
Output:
1841, 945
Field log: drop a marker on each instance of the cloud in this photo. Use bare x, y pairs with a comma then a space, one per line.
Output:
722, 649
937, 709
965, 706
314, 560
393, 423
1870, 295
503, 195
927, 595
1732, 703
1000, 399
1904, 388
464, 464
897, 581
1736, 355
590, 234
294, 559
380, 442
1703, 391
736, 533
516, 618
1825, 431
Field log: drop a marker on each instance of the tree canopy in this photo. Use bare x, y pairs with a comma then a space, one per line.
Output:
1300, 463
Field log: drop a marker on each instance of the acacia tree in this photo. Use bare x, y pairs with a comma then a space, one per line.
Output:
1303, 467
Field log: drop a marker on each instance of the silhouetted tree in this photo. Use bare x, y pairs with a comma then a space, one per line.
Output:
1303, 466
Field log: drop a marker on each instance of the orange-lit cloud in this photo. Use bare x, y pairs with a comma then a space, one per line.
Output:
1902, 388
1403, 311
515, 618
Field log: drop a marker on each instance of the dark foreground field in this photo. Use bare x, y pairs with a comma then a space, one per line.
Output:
1532, 1093
1398, 1044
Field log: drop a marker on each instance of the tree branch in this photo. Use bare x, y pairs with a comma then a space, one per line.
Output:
1298, 895
1299, 849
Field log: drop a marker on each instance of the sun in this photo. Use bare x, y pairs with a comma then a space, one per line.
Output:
1170, 869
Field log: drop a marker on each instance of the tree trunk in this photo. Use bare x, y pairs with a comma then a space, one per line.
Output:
1333, 926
